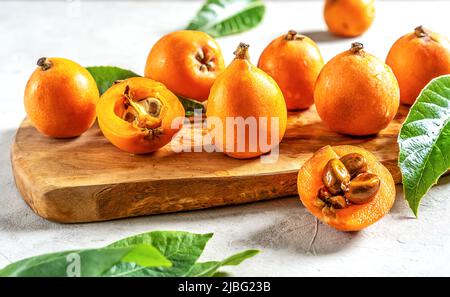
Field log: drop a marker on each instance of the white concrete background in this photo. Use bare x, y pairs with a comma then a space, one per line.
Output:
121, 33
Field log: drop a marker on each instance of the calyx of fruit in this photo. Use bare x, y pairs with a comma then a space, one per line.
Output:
346, 181
293, 35
206, 60
357, 48
143, 113
242, 51
44, 63
420, 31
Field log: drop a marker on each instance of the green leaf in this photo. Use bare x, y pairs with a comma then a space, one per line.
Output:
89, 262
158, 253
211, 268
190, 105
146, 255
226, 17
424, 141
182, 249
105, 76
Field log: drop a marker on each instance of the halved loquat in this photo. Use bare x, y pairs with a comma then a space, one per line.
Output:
139, 115
346, 187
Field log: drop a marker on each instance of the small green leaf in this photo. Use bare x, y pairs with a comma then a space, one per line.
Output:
90, 262
204, 268
211, 268
424, 141
226, 17
237, 259
182, 249
105, 76
190, 105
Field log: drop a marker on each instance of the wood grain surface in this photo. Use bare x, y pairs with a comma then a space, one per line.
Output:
87, 179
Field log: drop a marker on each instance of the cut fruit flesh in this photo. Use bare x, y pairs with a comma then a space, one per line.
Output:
354, 217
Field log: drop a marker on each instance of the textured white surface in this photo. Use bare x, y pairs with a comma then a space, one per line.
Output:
121, 33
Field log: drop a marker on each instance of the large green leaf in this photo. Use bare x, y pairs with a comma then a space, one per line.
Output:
211, 268
105, 76
158, 253
225, 17
424, 141
90, 262
182, 249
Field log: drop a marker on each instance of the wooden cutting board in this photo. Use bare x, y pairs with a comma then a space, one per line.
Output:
87, 179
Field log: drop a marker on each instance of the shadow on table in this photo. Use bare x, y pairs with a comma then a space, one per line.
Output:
295, 229
320, 36
303, 233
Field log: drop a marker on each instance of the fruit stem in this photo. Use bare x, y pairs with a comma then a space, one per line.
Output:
357, 48
293, 35
242, 51
44, 63
420, 31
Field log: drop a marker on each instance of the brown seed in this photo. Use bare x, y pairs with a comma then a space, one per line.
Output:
338, 202
362, 189
335, 176
355, 164
130, 115
152, 106
324, 193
